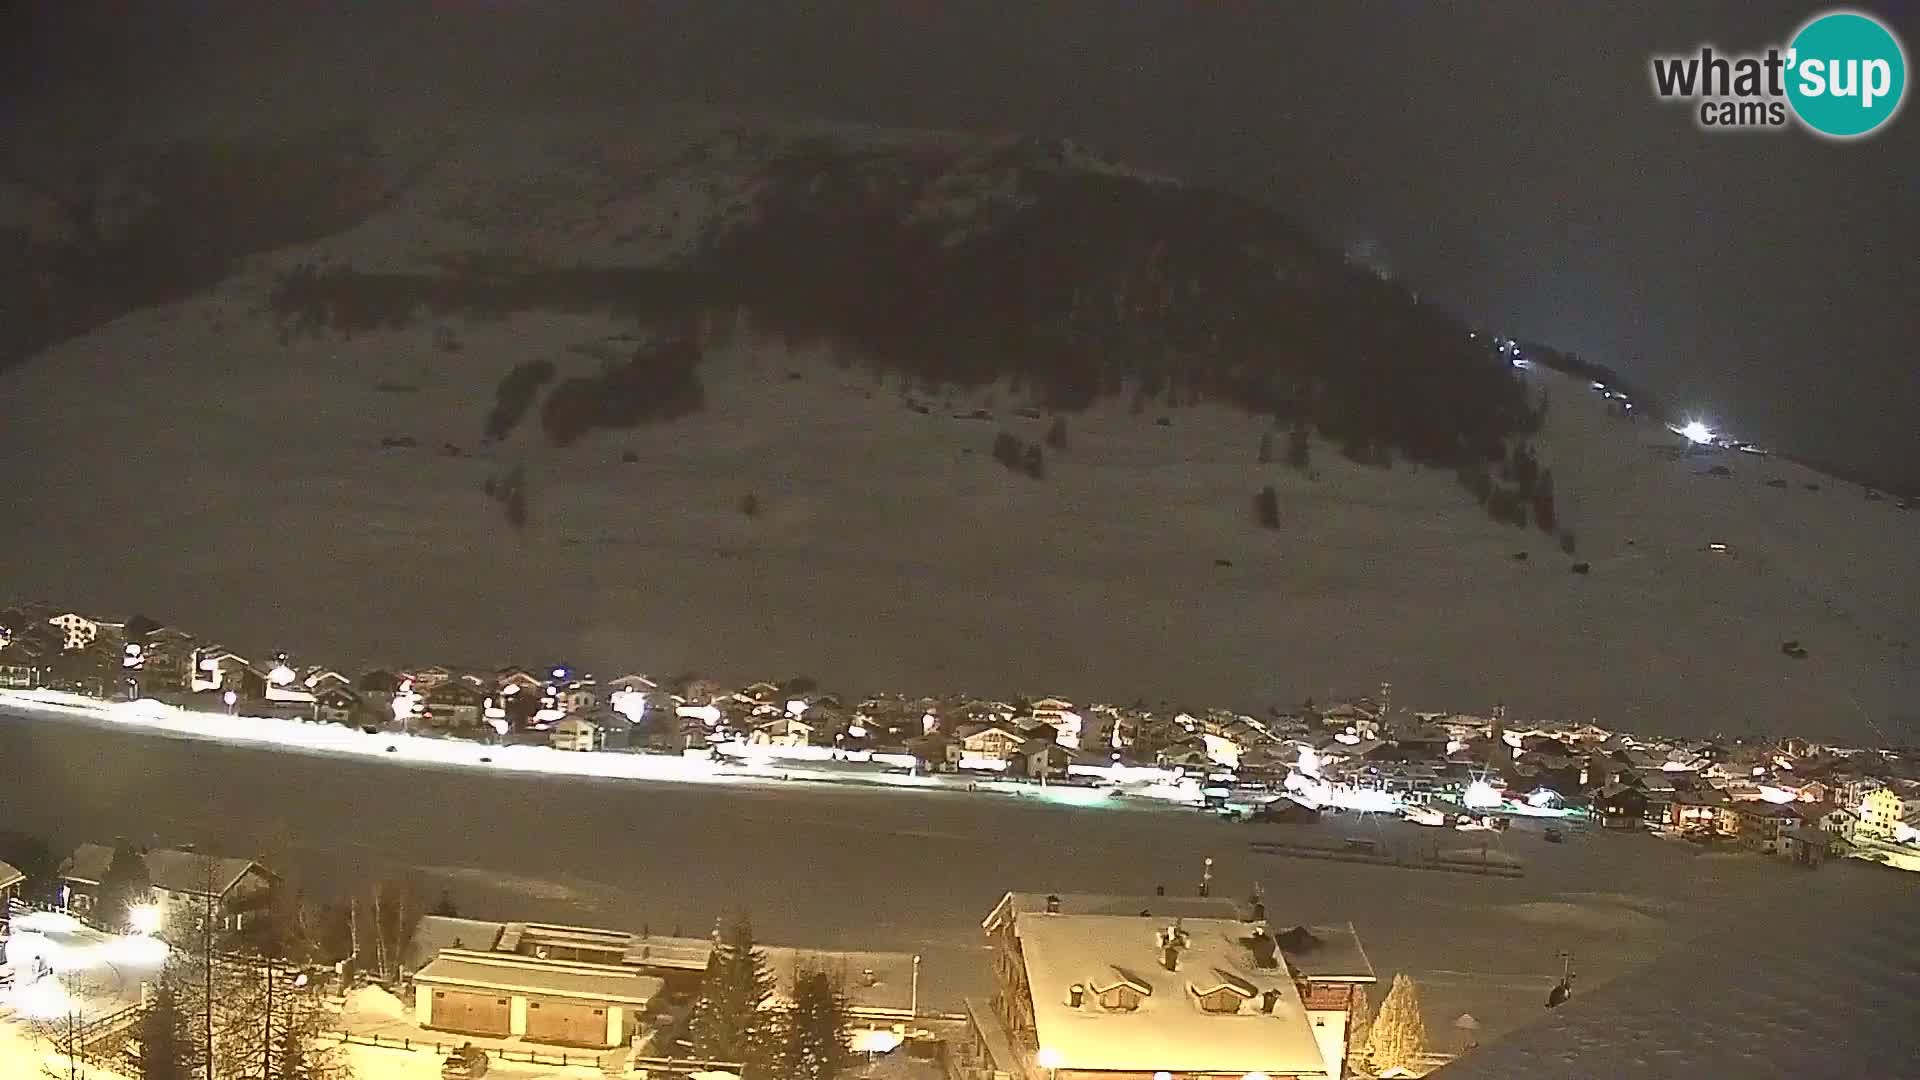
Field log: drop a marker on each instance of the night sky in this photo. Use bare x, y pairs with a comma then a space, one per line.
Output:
1507, 159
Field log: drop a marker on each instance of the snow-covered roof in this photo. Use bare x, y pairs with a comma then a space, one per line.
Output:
1821, 983
1324, 953
1169, 1029
553, 978
437, 932
1192, 907
887, 992
167, 868
10, 876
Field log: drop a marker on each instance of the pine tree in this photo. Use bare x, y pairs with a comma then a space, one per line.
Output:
728, 1022
290, 1057
1034, 463
161, 1046
1359, 1024
1057, 434
813, 1033
124, 884
1266, 508
1543, 512
1399, 1035
1006, 450
1299, 447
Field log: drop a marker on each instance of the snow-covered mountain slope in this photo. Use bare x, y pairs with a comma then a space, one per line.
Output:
217, 462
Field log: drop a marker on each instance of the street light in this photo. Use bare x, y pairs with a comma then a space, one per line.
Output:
1049, 1059
231, 699
145, 919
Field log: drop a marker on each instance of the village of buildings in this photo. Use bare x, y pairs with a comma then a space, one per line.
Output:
1193, 986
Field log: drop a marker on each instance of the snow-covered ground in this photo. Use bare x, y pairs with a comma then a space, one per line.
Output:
738, 763
835, 867
1822, 983
189, 467
188, 463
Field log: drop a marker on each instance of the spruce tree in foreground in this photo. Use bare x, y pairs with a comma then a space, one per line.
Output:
813, 1033
728, 1022
1359, 1026
1399, 1036
161, 1047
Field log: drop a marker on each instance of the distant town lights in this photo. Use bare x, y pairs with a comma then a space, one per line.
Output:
1696, 432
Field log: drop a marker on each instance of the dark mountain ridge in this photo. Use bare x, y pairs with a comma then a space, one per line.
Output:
1021, 262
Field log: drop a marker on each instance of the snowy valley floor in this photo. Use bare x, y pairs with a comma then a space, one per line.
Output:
835, 867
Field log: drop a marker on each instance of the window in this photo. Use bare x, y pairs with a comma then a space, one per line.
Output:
1122, 998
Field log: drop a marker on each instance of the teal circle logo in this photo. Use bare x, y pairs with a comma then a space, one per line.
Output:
1846, 74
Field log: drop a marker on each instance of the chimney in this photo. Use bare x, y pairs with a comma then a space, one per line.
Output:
1170, 956
867, 977
1268, 1000
1053, 905
1259, 911
1264, 950
1076, 994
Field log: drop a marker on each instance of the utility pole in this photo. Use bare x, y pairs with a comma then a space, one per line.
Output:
206, 929
266, 1043
914, 1007
1206, 876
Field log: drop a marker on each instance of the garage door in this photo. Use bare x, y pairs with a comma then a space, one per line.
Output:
573, 1023
471, 1012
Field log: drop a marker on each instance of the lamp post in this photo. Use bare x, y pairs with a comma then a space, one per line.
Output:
145, 919
1049, 1059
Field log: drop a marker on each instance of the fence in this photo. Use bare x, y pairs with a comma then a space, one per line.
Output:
529, 1057
1386, 857
102, 1026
